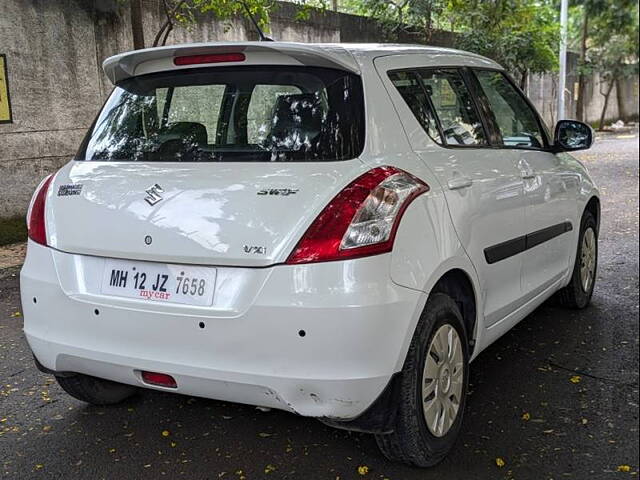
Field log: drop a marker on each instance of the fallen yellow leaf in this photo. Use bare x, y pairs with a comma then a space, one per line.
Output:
500, 462
166, 433
526, 416
269, 468
624, 468
575, 379
16, 314
363, 469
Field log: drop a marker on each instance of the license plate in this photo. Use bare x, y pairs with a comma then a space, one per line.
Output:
159, 282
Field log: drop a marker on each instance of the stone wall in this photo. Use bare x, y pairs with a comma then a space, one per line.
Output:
54, 51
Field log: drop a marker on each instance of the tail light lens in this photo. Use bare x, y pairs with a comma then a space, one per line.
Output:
35, 216
362, 219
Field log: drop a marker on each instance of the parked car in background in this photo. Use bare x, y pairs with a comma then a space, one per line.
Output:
331, 230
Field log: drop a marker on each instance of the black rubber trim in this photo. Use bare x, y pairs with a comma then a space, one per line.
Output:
506, 249
546, 234
518, 245
378, 418
44, 369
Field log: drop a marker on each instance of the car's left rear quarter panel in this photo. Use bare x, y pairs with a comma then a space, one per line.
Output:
426, 245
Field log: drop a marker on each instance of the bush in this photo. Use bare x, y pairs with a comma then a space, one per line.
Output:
12, 230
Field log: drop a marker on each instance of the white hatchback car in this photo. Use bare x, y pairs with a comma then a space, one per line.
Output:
331, 230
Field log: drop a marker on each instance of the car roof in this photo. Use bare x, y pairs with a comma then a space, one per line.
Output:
346, 56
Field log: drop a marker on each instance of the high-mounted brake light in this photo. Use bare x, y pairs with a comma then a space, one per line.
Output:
362, 219
35, 216
210, 58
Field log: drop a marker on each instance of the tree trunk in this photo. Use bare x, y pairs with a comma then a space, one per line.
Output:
158, 38
606, 104
581, 76
523, 79
622, 106
167, 26
136, 24
429, 29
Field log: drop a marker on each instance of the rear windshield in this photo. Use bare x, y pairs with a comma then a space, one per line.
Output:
274, 113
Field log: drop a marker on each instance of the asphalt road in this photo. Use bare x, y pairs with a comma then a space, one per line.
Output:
524, 407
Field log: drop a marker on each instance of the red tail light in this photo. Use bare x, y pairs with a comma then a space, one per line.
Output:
211, 58
36, 227
160, 379
362, 219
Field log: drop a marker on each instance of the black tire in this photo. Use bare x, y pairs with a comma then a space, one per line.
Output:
95, 391
411, 442
574, 295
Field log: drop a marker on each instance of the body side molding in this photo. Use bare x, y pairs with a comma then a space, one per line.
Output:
512, 247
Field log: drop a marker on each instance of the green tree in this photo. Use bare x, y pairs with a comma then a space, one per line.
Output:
614, 16
523, 36
614, 54
415, 17
184, 12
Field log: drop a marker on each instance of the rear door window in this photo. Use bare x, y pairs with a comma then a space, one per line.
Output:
454, 107
273, 113
442, 103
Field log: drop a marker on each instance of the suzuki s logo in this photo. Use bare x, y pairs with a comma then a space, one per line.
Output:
153, 194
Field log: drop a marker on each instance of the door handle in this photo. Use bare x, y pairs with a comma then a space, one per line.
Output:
457, 183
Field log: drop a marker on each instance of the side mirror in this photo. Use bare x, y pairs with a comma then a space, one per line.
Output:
572, 135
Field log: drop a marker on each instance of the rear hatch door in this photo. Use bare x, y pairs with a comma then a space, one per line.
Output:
248, 214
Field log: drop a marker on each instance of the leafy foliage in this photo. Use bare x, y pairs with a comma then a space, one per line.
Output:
521, 35
418, 17
184, 12
226, 9
614, 50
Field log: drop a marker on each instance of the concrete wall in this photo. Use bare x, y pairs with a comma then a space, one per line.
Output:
543, 92
54, 86
54, 50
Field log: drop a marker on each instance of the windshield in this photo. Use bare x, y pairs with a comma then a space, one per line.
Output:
265, 113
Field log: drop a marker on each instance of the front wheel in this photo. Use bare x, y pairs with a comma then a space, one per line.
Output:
433, 388
580, 289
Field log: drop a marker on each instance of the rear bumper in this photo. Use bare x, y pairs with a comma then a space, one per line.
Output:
357, 325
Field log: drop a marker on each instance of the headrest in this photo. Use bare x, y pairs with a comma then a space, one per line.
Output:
297, 120
188, 132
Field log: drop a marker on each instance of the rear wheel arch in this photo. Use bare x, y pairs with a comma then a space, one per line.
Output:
457, 284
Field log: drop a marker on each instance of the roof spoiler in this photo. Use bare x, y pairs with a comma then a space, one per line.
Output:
126, 65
